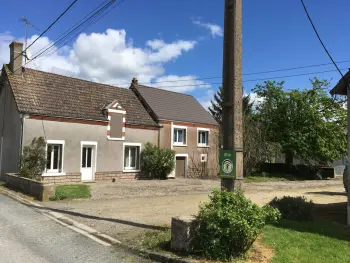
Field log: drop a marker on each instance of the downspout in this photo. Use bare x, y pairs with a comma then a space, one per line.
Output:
22, 116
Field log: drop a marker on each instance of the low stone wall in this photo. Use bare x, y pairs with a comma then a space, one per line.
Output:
63, 179
110, 175
40, 190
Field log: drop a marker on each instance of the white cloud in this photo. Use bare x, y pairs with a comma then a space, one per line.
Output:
107, 57
215, 30
179, 83
205, 100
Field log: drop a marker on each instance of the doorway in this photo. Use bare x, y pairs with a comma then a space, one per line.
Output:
88, 162
180, 168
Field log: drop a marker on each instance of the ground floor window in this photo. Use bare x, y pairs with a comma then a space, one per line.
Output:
54, 157
132, 157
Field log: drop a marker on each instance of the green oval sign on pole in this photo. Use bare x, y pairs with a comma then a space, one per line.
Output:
228, 164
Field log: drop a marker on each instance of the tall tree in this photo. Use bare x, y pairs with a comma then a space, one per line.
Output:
216, 105
307, 124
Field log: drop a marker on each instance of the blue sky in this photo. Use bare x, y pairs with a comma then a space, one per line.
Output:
276, 34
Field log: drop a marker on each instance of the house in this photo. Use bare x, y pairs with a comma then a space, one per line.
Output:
93, 131
186, 127
342, 88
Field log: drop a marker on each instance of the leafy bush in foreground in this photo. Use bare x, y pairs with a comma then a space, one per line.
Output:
228, 225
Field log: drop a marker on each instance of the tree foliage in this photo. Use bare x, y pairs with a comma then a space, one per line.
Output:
33, 159
307, 124
157, 162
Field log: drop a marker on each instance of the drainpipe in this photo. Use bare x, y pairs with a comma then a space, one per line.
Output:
23, 117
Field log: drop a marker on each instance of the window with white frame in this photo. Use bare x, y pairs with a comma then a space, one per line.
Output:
54, 157
203, 137
132, 157
179, 136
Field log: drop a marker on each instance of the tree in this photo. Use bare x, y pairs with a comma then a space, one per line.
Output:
157, 162
216, 105
33, 159
307, 124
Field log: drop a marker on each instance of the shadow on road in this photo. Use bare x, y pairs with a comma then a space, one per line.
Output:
114, 220
327, 193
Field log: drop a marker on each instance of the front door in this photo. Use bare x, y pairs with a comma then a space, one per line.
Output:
180, 169
87, 163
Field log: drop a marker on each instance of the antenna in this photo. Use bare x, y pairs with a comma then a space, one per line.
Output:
28, 24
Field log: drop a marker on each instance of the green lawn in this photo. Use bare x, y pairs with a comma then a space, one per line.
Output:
314, 241
71, 191
269, 178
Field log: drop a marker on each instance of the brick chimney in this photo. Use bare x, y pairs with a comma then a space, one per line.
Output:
16, 49
135, 81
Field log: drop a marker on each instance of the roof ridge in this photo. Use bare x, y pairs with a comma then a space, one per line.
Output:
75, 78
149, 87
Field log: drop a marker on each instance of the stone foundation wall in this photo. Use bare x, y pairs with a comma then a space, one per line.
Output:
110, 175
40, 190
63, 179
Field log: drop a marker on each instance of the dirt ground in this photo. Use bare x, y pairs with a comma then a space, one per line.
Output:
125, 208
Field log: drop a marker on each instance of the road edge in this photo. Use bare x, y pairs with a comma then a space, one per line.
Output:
59, 218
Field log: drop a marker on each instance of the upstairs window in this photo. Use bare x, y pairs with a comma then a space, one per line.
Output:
179, 136
203, 137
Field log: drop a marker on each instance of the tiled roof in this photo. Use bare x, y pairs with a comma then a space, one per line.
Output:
49, 94
169, 105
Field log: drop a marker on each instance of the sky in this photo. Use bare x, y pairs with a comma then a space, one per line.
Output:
177, 45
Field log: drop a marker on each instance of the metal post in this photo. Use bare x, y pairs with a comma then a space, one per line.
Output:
232, 89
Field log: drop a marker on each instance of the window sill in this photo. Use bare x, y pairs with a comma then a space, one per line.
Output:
180, 145
53, 174
131, 171
116, 139
203, 146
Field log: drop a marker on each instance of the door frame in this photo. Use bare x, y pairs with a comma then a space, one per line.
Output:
93, 157
173, 174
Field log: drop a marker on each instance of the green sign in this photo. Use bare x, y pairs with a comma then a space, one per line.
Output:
228, 164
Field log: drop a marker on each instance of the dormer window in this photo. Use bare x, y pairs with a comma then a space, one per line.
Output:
116, 125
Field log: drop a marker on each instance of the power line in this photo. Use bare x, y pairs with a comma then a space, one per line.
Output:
48, 28
245, 74
87, 22
319, 38
70, 30
250, 80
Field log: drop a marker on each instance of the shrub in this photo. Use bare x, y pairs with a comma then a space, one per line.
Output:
157, 162
33, 159
228, 225
293, 208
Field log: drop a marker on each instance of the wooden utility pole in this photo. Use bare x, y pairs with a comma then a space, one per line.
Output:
232, 119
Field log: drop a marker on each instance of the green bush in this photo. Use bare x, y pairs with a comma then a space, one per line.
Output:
157, 162
293, 208
228, 225
33, 159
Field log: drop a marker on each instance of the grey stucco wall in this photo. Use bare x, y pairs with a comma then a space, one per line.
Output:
10, 117
109, 153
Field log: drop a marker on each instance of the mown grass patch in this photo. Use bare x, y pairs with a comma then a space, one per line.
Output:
71, 191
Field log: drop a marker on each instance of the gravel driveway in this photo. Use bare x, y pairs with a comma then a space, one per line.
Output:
125, 208
176, 187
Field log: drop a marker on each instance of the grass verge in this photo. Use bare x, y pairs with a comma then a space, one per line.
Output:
71, 191
2, 183
308, 242
156, 240
269, 178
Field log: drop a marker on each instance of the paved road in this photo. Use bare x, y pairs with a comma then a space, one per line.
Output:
28, 236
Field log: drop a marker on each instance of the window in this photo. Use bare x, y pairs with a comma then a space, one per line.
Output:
204, 158
203, 137
132, 157
54, 157
179, 136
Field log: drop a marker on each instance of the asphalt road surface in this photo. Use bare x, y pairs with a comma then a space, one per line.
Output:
29, 236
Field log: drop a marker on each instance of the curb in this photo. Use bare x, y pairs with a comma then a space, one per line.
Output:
85, 230
158, 256
93, 234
